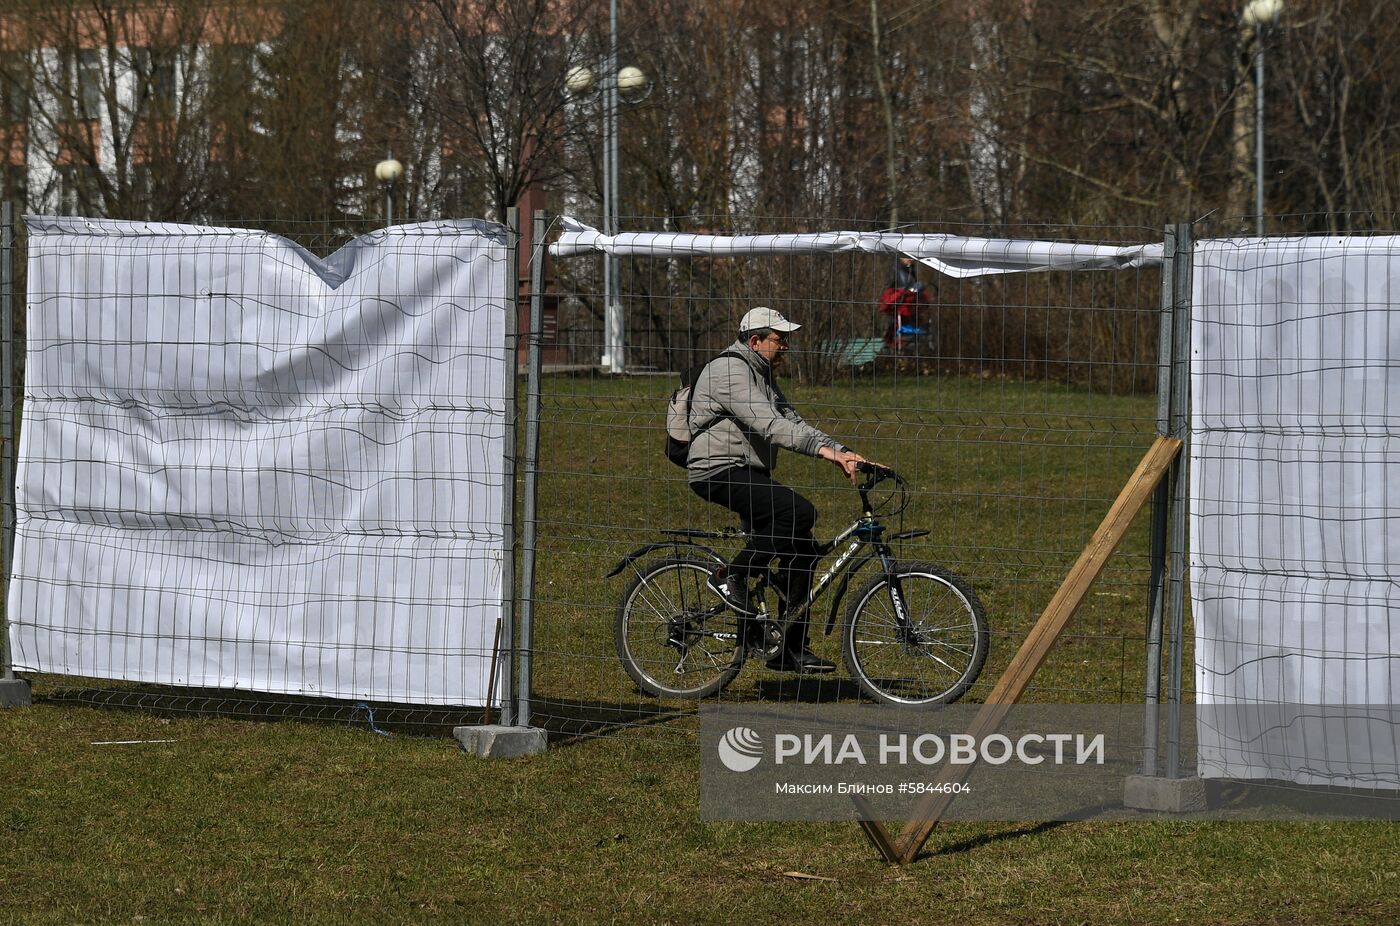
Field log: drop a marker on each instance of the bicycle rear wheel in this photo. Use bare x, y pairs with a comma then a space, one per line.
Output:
933, 655
673, 635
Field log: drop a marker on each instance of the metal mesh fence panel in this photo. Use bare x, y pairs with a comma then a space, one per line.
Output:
286, 470
1015, 404
1016, 411
1294, 525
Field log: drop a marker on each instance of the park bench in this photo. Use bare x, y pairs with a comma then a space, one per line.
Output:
856, 352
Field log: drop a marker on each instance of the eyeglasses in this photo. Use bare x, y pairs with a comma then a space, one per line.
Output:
780, 338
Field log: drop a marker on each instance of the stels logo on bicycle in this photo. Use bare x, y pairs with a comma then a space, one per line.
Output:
913, 634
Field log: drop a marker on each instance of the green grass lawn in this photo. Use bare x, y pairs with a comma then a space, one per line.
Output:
291, 821
295, 822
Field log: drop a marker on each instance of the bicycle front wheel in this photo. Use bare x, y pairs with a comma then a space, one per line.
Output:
929, 654
674, 636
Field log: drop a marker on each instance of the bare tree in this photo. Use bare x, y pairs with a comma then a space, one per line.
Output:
1335, 127
115, 121
503, 102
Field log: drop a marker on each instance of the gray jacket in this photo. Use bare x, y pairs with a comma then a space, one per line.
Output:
749, 418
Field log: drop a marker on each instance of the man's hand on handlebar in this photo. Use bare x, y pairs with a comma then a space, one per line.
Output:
848, 460
875, 472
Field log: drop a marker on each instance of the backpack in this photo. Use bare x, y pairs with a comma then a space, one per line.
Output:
678, 433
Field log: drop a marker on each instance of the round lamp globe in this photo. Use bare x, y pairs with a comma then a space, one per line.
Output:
631, 78
578, 79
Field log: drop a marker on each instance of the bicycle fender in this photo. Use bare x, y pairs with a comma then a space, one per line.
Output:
841, 586
676, 545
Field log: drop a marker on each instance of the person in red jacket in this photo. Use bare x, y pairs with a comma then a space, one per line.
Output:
903, 298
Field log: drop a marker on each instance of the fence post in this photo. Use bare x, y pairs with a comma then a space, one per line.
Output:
532, 465
514, 736
512, 350
1166, 598
14, 692
1180, 425
1161, 500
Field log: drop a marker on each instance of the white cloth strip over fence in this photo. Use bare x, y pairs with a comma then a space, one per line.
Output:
951, 255
243, 467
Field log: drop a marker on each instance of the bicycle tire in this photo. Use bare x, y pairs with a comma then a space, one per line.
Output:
663, 621
947, 649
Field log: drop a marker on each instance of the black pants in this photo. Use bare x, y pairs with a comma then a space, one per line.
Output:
780, 523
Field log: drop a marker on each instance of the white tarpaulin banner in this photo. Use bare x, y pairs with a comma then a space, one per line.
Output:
244, 467
951, 255
1295, 519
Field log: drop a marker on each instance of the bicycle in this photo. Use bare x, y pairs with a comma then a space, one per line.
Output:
913, 635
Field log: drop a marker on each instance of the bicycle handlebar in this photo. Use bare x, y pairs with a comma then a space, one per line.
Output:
876, 474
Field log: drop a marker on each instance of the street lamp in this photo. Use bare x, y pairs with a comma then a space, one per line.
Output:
1261, 14
632, 84
388, 171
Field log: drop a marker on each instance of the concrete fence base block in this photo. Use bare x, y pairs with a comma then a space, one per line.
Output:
494, 741
14, 692
1165, 795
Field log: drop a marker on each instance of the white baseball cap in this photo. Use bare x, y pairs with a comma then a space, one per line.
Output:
764, 317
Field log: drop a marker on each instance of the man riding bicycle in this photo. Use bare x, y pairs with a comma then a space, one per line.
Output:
738, 420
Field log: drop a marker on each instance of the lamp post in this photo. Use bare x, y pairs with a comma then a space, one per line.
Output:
388, 171
631, 82
1261, 14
